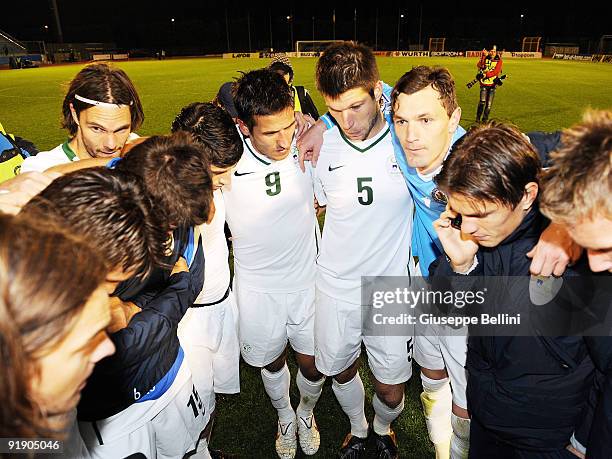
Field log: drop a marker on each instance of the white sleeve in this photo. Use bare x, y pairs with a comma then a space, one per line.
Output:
36, 163
319, 192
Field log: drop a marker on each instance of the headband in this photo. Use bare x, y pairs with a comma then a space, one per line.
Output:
97, 103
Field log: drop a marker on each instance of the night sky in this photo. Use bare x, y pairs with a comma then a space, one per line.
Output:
200, 26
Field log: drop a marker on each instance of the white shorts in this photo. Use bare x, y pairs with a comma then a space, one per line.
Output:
338, 337
268, 320
168, 427
209, 337
439, 347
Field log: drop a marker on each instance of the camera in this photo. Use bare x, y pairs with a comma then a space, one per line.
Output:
496, 82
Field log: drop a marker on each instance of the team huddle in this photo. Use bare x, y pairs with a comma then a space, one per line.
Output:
118, 250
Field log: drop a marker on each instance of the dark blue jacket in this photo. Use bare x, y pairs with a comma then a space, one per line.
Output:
534, 392
148, 347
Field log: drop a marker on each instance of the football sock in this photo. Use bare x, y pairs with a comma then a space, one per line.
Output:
384, 416
351, 396
277, 388
310, 391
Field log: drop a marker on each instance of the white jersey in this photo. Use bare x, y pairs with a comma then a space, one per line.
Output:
61, 154
216, 253
368, 221
270, 212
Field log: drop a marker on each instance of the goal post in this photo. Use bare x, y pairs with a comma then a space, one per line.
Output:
313, 46
530, 44
605, 44
436, 44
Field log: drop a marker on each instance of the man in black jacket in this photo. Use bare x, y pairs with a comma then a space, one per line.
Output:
527, 395
142, 400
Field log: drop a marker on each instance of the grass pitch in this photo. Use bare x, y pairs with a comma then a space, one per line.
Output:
538, 95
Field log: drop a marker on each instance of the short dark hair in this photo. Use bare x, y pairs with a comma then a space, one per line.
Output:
492, 163
261, 93
282, 69
344, 66
102, 83
214, 129
422, 76
176, 173
112, 211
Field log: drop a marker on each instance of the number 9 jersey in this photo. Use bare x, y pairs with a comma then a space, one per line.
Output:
270, 212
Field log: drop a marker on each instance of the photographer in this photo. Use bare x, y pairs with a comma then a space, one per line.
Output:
489, 71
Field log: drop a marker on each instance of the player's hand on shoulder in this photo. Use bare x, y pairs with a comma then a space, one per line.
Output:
554, 252
309, 144
302, 123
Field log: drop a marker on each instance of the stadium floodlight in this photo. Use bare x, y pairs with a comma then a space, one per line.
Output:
312, 46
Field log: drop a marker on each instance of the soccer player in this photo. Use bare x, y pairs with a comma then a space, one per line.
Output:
426, 116
426, 122
113, 211
367, 232
51, 336
143, 400
520, 407
577, 188
208, 331
270, 212
423, 113
100, 111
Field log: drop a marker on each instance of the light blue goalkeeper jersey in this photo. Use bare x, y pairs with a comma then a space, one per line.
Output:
425, 243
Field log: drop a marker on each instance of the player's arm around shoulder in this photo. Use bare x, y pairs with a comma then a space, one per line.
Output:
554, 252
320, 200
16, 192
78, 165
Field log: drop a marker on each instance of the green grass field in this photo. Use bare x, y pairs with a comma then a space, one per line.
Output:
538, 95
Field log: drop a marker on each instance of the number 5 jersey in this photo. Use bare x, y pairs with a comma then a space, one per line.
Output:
368, 221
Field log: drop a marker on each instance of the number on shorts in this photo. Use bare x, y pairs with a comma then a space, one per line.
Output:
409, 348
195, 403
